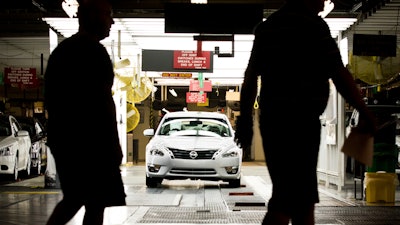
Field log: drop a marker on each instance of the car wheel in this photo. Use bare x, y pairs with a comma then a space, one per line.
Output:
234, 183
152, 182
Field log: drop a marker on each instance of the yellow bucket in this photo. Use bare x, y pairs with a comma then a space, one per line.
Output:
380, 186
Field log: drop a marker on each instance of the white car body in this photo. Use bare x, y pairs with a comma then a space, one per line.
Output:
15, 145
180, 149
38, 143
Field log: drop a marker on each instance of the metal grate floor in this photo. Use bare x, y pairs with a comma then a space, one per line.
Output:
355, 215
200, 216
343, 215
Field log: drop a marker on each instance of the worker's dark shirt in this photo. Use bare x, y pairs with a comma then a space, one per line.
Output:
78, 82
82, 123
294, 53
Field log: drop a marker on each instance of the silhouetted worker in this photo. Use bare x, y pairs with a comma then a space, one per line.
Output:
296, 57
82, 126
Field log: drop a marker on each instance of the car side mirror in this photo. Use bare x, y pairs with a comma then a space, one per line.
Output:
23, 133
148, 132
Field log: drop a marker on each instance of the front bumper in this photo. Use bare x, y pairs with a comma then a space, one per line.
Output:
7, 164
218, 169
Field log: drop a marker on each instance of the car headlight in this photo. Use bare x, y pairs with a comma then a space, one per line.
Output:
231, 153
6, 151
157, 152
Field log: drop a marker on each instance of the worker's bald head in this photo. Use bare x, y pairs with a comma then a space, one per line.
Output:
95, 17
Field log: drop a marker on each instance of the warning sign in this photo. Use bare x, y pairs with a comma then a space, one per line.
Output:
177, 75
20, 76
195, 85
196, 97
191, 60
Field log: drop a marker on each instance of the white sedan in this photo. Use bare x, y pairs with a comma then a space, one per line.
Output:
194, 145
15, 145
38, 138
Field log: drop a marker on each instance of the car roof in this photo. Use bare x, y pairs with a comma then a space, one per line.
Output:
195, 114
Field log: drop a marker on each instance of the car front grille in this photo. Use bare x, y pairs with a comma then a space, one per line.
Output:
192, 172
193, 154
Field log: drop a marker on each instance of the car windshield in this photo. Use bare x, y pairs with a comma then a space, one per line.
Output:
195, 127
5, 128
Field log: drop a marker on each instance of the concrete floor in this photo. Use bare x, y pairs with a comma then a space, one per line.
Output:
192, 202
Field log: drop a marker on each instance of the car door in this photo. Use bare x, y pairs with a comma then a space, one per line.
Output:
24, 143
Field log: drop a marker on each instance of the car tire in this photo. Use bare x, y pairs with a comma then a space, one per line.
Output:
234, 183
152, 182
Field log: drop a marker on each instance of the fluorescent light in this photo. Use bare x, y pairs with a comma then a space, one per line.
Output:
173, 92
328, 7
70, 7
337, 25
220, 82
171, 82
198, 1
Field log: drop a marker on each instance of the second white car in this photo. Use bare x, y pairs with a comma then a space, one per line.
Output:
15, 145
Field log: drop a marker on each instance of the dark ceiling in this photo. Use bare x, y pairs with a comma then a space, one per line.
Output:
23, 17
24, 35
139, 8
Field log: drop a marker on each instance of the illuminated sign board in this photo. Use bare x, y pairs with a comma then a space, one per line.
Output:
196, 97
195, 86
191, 60
20, 76
177, 75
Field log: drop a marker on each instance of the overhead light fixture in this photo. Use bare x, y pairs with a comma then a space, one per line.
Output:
328, 7
171, 82
222, 82
198, 1
173, 92
70, 7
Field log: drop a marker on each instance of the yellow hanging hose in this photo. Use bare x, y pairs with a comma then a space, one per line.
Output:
258, 93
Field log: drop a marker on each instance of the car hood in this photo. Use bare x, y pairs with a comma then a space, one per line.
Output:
6, 140
197, 142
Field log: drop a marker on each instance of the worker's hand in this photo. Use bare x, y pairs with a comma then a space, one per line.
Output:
244, 131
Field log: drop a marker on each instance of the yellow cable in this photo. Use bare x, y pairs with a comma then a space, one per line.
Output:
258, 93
